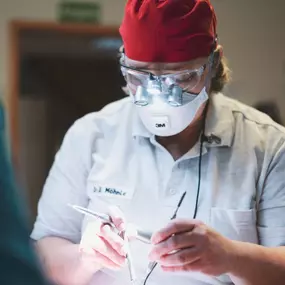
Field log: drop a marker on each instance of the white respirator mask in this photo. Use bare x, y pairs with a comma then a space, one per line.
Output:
164, 106
162, 119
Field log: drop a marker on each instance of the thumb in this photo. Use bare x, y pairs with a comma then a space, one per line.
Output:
117, 217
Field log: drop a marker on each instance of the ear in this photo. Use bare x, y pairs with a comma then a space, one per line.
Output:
121, 52
122, 49
218, 54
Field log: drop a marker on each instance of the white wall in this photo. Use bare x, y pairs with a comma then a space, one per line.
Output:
253, 36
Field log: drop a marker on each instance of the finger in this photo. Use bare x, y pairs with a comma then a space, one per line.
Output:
174, 227
179, 258
115, 241
104, 248
173, 243
107, 262
99, 244
96, 228
112, 254
117, 217
90, 256
195, 266
175, 268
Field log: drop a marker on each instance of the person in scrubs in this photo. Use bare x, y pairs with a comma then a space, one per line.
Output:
204, 173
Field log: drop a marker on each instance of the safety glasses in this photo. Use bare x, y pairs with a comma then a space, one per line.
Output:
186, 79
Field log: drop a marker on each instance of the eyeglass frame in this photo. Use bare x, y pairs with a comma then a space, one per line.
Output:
152, 76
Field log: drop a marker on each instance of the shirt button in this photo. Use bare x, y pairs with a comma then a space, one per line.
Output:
172, 191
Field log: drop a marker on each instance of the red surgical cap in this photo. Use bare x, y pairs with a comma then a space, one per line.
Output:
168, 30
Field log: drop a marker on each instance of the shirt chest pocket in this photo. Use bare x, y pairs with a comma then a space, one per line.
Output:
237, 225
102, 196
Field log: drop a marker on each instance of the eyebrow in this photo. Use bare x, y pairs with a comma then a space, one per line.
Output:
168, 70
143, 67
162, 67
147, 67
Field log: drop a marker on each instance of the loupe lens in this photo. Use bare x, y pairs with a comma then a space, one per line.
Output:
141, 97
175, 96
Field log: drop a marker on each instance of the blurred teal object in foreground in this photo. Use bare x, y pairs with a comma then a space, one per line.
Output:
79, 12
18, 262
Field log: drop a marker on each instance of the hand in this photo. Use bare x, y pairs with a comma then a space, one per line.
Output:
100, 246
189, 245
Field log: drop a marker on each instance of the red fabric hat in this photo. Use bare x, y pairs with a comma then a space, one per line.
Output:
168, 30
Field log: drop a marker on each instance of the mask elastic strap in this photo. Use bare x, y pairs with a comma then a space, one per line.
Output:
211, 63
209, 75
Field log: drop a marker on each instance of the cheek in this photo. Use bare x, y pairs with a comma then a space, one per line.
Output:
199, 87
200, 112
132, 88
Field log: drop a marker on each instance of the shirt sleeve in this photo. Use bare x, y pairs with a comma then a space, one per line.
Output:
66, 184
271, 212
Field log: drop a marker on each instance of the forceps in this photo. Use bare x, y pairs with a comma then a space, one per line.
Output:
143, 236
